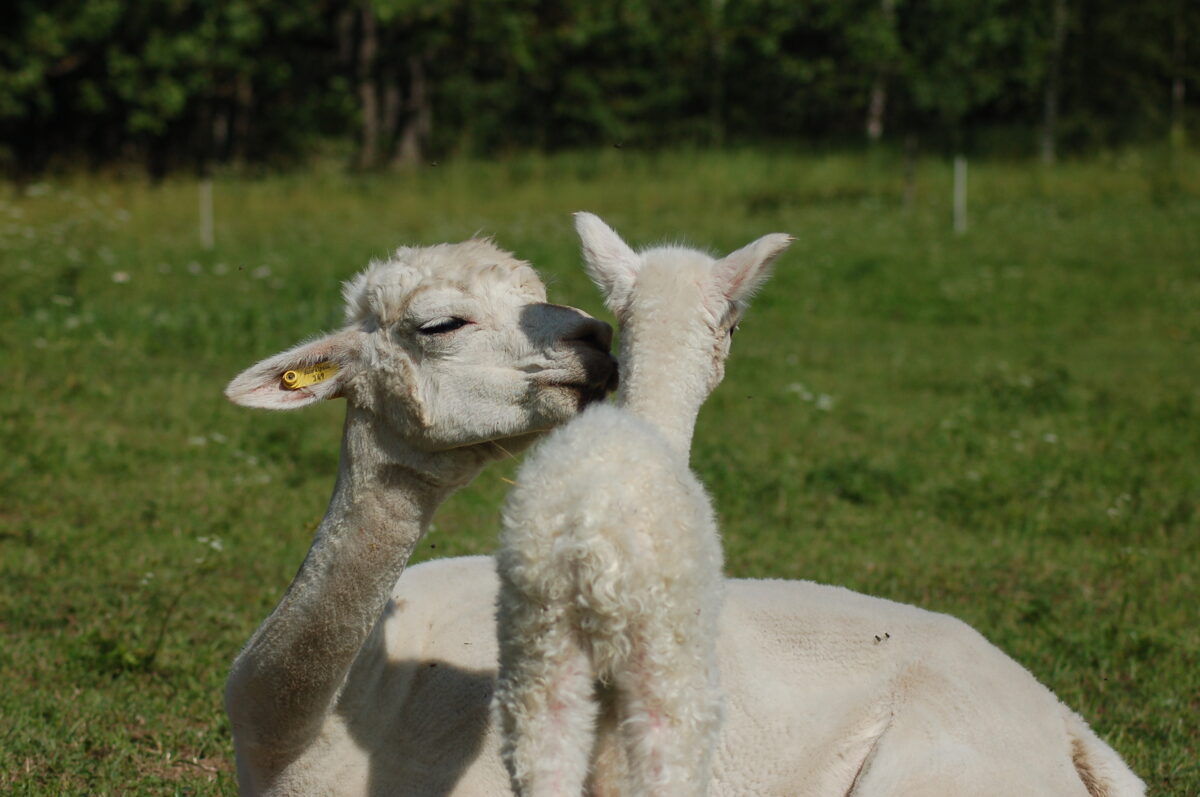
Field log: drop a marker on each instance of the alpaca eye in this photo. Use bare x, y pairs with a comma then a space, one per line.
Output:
442, 325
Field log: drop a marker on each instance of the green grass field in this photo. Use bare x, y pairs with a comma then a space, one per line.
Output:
1002, 425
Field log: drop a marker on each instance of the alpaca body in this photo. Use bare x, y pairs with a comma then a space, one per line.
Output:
610, 557
814, 705
601, 587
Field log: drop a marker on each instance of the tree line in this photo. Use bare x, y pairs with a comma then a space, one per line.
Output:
188, 84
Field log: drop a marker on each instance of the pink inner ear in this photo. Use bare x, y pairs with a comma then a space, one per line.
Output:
261, 385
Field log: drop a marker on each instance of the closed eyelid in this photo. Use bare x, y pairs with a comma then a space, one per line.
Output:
443, 324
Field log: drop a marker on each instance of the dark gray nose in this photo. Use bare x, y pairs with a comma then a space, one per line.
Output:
593, 332
577, 325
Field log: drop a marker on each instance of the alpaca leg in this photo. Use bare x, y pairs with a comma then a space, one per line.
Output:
670, 715
548, 715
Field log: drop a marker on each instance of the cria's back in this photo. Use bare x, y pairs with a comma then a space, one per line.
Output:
607, 522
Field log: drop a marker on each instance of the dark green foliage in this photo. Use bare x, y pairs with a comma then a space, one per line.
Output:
186, 84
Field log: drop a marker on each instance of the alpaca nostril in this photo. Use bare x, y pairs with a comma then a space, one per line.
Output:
592, 332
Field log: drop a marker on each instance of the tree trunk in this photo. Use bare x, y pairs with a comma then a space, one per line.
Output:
1178, 84
243, 113
368, 94
418, 122
716, 89
877, 104
393, 108
1048, 144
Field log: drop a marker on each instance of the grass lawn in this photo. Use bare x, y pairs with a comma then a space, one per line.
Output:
1003, 425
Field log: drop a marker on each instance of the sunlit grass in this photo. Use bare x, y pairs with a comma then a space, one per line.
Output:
1002, 425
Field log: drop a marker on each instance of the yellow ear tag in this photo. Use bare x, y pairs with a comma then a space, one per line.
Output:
303, 377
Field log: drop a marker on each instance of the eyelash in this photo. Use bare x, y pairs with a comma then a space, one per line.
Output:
442, 327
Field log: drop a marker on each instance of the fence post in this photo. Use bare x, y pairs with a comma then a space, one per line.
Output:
206, 213
960, 194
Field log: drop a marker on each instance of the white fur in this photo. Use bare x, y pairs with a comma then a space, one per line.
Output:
610, 559
426, 410
815, 706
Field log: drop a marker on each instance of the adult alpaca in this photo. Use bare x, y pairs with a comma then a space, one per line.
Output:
828, 693
449, 359
610, 557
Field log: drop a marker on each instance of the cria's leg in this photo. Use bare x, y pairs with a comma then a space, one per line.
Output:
548, 713
670, 715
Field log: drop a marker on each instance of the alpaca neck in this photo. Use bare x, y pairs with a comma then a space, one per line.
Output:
286, 679
665, 386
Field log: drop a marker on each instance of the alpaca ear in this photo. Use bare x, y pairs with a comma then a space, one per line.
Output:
609, 261
317, 370
740, 274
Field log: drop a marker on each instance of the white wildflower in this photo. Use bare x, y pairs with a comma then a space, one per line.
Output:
262, 272
825, 402
1050, 437
198, 440
121, 277
212, 542
800, 390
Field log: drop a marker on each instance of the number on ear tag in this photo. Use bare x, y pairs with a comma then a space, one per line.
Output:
311, 375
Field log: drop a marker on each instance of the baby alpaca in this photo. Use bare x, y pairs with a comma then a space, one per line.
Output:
610, 558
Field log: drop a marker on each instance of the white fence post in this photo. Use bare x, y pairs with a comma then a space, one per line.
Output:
206, 213
960, 194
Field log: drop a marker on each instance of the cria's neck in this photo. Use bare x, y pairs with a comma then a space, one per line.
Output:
665, 383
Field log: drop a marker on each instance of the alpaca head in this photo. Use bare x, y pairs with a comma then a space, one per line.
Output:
446, 346
684, 303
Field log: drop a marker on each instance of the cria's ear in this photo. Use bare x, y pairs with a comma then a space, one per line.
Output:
609, 261
300, 376
741, 273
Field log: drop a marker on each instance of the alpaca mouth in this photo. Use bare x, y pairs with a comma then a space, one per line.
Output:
594, 378
585, 393
592, 390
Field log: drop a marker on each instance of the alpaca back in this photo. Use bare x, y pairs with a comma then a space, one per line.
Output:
607, 522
